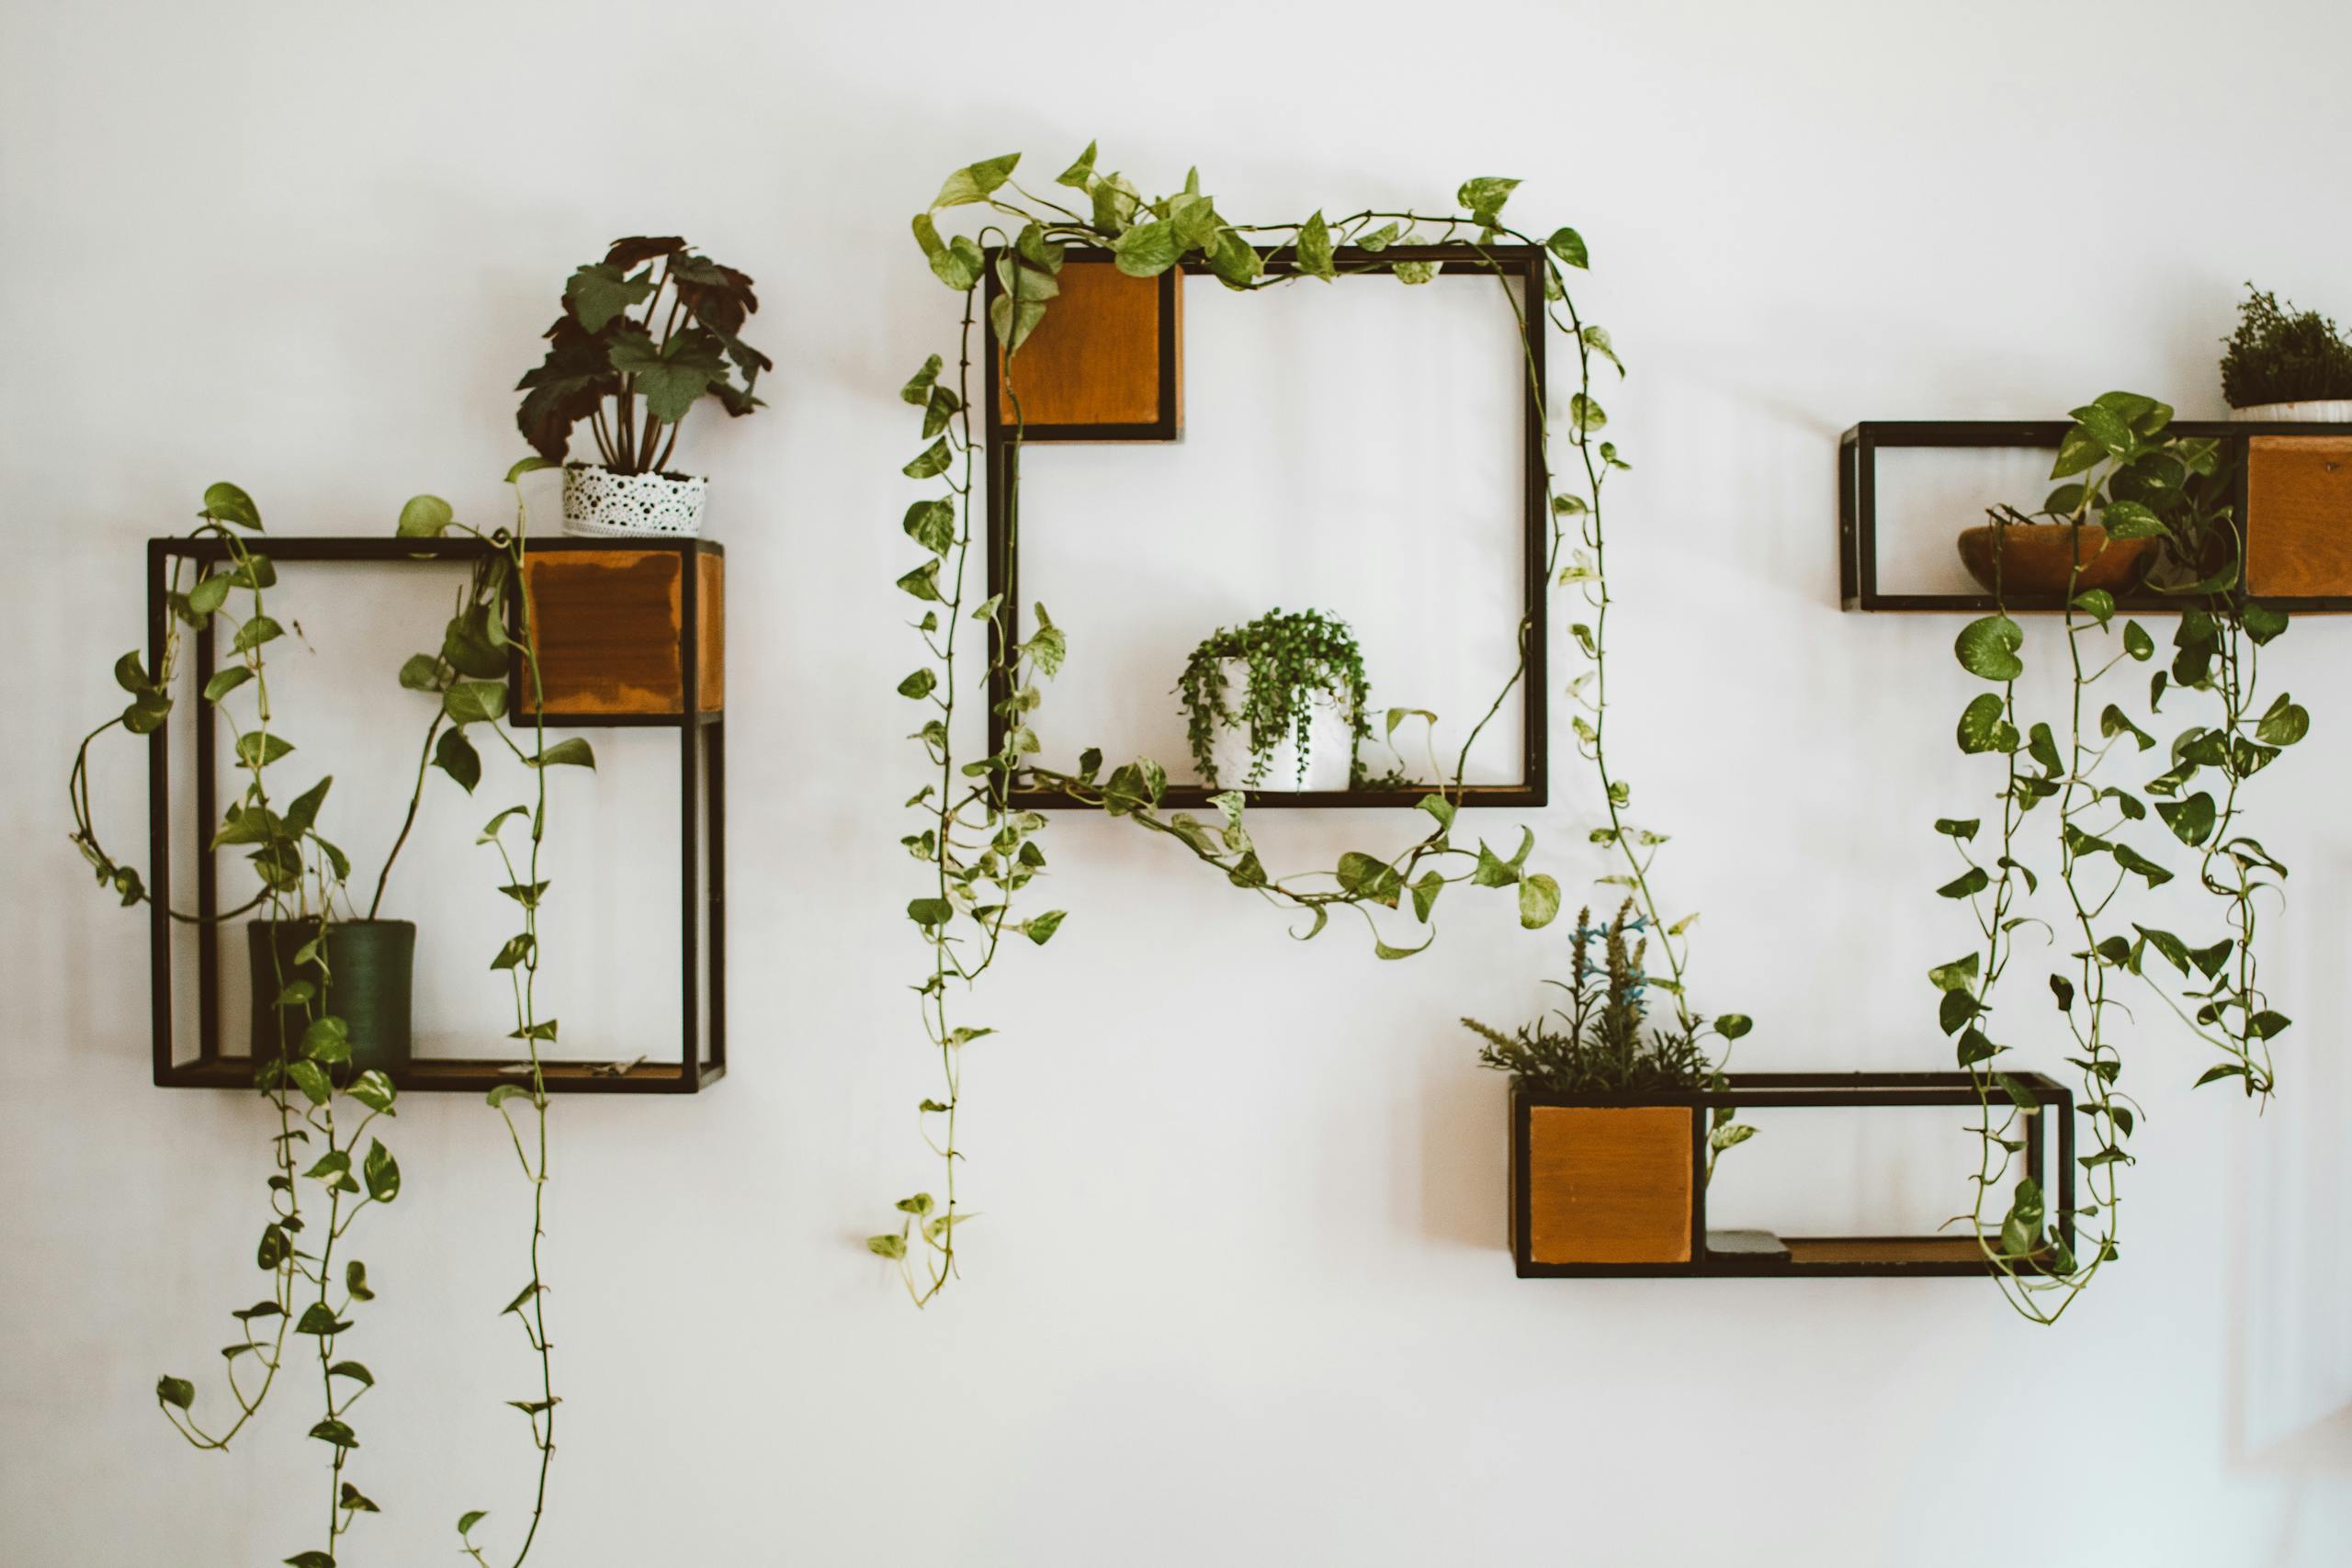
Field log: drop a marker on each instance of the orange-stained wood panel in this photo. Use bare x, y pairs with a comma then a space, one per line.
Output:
2299, 515
607, 626
1884, 1249
1609, 1185
1094, 358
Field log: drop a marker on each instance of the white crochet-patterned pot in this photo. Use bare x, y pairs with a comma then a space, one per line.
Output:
602, 503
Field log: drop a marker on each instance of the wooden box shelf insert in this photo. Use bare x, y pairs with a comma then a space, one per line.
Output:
610, 619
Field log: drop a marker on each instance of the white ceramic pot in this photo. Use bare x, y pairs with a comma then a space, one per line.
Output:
2317, 410
602, 503
1329, 744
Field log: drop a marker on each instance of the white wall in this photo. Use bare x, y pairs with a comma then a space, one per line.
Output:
1239, 1293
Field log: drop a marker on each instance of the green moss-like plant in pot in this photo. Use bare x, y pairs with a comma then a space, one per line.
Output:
2285, 364
1278, 703
649, 330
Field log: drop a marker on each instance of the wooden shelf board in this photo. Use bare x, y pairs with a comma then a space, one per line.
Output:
1809, 1258
1812, 1249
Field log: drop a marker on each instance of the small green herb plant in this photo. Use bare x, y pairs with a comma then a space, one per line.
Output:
654, 320
1296, 662
2119, 462
2280, 355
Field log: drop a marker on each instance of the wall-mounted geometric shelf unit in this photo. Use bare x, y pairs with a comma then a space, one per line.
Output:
632, 636
2293, 485
1112, 369
1744, 1255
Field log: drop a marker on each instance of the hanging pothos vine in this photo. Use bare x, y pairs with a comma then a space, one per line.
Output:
2125, 473
304, 876
982, 852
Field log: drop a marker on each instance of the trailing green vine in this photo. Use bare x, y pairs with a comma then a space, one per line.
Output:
518, 956
2137, 482
304, 876
982, 852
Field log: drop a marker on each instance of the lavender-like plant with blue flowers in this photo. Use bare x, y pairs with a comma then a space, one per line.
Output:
1596, 1044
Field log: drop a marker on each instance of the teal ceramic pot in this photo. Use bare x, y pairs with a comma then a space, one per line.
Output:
371, 962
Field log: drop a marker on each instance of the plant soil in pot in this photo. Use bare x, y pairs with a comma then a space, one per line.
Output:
371, 964
2039, 559
603, 503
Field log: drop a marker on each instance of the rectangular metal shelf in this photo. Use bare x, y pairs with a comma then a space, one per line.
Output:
1858, 451
1818, 1257
702, 819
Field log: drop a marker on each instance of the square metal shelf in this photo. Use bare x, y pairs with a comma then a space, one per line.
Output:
702, 794
1523, 263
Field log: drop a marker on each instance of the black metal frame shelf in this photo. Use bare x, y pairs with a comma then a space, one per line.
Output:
702, 793
1810, 1258
1858, 452
1523, 263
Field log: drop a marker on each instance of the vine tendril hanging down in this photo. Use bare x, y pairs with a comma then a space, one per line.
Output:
304, 876
2123, 472
982, 852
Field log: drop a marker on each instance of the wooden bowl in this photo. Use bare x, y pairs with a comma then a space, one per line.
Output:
2040, 558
